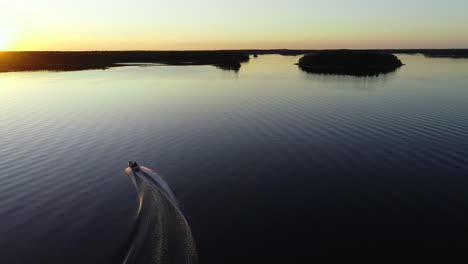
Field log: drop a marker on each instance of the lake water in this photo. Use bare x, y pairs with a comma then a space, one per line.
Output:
268, 163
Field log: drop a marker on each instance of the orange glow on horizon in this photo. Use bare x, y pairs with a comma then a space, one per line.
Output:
242, 24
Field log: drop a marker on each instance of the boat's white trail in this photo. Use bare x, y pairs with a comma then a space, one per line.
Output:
162, 234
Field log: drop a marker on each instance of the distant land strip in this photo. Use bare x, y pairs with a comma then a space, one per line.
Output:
11, 61
82, 60
447, 53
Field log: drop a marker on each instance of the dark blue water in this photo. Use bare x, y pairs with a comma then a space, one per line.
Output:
269, 163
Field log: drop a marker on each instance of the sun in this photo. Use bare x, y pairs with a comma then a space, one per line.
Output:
2, 43
4, 40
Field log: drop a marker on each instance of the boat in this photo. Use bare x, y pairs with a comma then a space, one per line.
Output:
162, 234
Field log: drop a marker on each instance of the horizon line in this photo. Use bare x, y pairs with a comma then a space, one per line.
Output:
286, 49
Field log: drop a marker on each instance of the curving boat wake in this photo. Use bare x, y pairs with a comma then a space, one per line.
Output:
162, 234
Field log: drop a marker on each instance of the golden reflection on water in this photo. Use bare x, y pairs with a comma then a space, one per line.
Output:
182, 87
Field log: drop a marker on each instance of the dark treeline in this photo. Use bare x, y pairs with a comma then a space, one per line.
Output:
62, 60
449, 53
224, 59
350, 62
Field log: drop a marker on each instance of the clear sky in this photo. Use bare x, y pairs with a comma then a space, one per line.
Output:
239, 24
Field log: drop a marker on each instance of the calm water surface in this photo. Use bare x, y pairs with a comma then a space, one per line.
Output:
268, 163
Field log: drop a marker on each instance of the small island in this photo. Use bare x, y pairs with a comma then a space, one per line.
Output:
349, 62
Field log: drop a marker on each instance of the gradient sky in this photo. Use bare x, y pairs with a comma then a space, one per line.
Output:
240, 24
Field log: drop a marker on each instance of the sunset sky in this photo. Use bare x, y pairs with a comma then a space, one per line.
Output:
240, 24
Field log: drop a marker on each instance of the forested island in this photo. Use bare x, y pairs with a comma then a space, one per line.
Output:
349, 62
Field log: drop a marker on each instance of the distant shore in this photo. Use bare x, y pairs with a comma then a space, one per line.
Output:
82, 60
11, 61
447, 53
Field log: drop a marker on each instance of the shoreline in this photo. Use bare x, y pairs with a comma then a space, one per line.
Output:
18, 61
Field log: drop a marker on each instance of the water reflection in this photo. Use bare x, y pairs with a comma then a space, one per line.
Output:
356, 73
268, 163
349, 81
